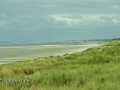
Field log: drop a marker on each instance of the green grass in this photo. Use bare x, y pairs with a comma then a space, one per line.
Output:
94, 69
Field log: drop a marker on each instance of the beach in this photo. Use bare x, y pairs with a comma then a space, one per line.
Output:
10, 54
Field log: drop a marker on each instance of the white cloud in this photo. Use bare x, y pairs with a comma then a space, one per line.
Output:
115, 7
77, 20
64, 20
72, 20
116, 21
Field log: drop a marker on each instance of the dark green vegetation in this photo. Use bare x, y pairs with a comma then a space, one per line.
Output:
94, 69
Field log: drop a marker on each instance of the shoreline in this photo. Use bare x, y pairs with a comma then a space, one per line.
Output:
59, 50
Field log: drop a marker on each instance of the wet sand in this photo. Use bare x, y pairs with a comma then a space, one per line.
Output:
10, 54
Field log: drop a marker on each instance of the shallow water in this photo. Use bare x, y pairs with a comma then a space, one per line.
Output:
16, 53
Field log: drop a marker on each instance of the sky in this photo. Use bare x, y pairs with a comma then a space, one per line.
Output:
58, 20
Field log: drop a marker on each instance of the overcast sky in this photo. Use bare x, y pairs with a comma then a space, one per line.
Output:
58, 20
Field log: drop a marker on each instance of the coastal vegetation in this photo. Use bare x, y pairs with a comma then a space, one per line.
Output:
93, 69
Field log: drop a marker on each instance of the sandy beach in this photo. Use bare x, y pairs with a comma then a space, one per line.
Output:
10, 54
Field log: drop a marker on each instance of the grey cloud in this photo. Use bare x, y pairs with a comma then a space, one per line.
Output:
66, 19
61, 12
